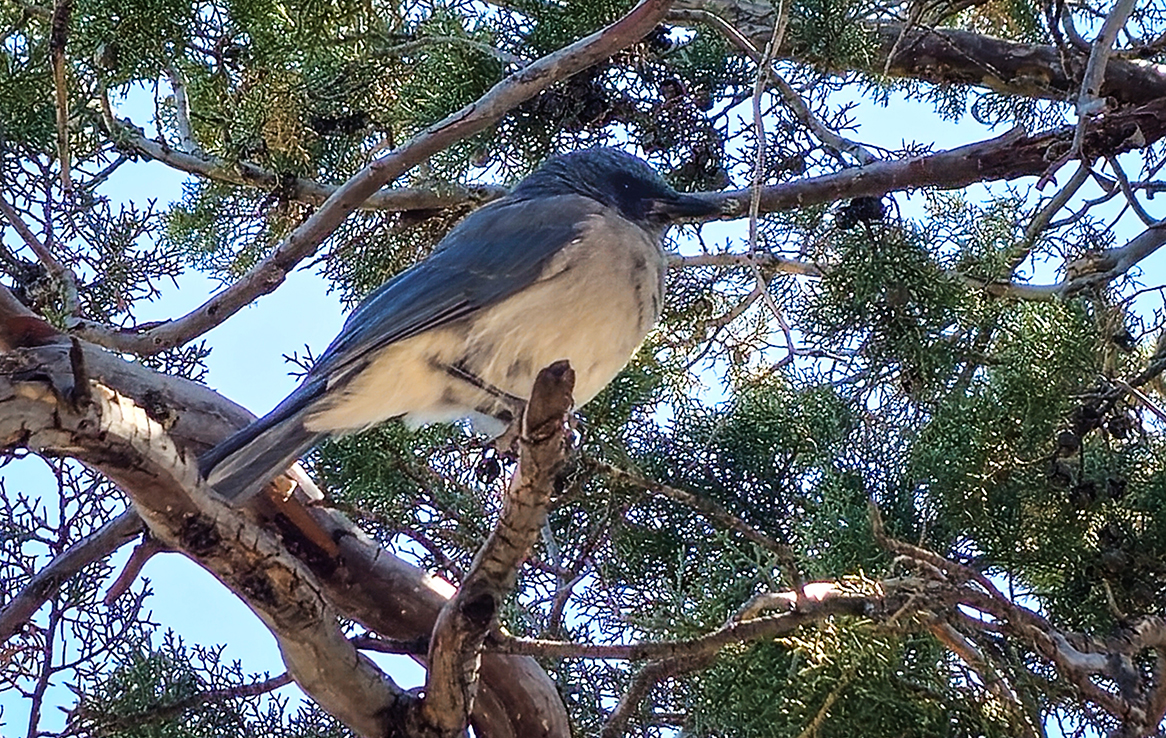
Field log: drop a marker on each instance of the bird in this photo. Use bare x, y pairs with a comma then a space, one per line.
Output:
568, 265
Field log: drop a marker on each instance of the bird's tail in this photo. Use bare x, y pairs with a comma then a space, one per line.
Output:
242, 464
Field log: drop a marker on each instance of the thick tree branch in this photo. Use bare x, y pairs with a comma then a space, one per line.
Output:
1089, 101
44, 584
945, 56
114, 435
465, 621
306, 239
364, 582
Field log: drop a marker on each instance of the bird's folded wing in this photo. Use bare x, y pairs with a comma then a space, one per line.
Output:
489, 256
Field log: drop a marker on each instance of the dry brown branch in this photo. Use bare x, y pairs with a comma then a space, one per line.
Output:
44, 584
464, 622
143, 552
59, 35
307, 237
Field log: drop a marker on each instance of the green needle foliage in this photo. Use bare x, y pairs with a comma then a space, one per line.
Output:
908, 363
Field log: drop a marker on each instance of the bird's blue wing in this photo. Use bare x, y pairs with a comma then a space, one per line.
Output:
493, 253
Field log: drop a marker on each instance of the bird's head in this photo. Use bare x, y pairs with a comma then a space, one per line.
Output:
619, 180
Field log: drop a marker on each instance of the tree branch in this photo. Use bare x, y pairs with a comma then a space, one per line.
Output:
245, 174
44, 584
1009, 156
306, 238
466, 619
647, 678
365, 583
945, 56
114, 435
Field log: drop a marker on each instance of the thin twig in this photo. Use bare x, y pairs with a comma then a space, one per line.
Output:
1127, 190
792, 99
44, 584
709, 510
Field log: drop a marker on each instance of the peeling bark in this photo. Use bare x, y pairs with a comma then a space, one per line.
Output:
143, 430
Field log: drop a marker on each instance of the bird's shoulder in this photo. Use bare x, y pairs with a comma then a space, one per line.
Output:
494, 252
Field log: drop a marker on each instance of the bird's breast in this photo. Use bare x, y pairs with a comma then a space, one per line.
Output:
592, 305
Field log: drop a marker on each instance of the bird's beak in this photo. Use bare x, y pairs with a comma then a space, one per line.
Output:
683, 207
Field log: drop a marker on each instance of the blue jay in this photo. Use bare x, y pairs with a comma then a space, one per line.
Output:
569, 265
